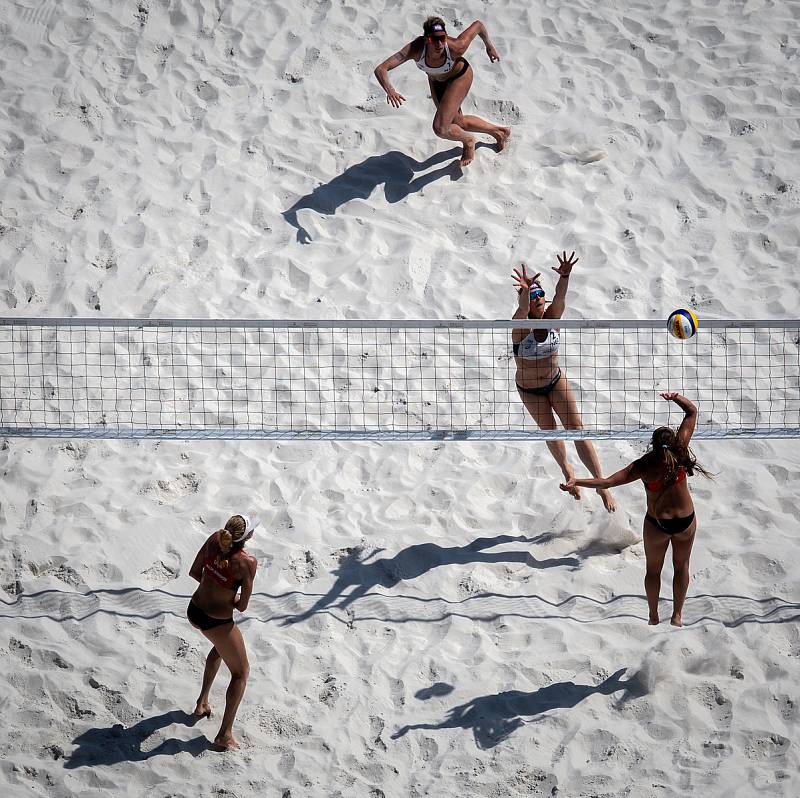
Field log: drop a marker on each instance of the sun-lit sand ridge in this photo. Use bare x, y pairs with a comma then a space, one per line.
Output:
461, 627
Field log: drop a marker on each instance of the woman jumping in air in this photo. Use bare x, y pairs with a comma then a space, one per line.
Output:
541, 383
670, 514
450, 77
223, 569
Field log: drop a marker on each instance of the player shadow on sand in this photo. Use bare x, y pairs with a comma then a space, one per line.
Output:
395, 170
355, 572
114, 744
495, 717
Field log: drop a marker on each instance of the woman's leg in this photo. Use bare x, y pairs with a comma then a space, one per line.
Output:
681, 551
474, 124
229, 643
448, 108
213, 660
563, 400
542, 414
655, 549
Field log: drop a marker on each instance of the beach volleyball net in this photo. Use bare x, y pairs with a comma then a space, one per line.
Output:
384, 380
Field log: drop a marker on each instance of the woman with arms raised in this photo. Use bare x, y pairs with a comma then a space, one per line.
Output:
541, 383
670, 517
225, 573
441, 57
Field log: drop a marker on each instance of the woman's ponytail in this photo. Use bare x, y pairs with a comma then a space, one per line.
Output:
235, 526
665, 443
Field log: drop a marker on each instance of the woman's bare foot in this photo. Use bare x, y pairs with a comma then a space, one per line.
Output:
574, 491
608, 499
468, 156
501, 136
202, 710
676, 620
227, 742
654, 619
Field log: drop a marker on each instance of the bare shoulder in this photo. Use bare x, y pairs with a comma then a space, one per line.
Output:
414, 48
457, 47
465, 38
246, 563
647, 468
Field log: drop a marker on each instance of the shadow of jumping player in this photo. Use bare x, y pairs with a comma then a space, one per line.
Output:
495, 717
355, 572
395, 170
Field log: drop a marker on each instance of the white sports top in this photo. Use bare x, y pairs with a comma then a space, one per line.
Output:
448, 64
531, 349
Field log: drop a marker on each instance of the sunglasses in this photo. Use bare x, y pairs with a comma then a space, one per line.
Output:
537, 293
432, 39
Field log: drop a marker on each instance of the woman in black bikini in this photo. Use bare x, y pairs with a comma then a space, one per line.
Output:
670, 514
223, 569
542, 386
450, 77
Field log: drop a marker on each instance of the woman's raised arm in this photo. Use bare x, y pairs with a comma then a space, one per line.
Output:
564, 268
686, 429
467, 36
523, 282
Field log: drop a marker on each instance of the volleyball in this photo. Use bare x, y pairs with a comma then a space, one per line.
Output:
682, 323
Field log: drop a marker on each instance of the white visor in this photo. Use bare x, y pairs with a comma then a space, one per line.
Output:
251, 521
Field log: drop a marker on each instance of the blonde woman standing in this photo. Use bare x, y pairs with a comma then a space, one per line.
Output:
225, 572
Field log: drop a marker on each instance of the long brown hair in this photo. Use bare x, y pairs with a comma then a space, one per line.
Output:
234, 528
665, 447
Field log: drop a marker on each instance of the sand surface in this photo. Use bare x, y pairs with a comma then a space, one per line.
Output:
429, 619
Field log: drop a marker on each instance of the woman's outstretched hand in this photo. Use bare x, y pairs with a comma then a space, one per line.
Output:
680, 400
394, 98
565, 264
492, 53
568, 486
522, 280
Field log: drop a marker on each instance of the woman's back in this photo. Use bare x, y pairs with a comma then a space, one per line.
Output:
667, 488
221, 579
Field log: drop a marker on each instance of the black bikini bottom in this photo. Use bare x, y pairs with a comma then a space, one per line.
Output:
203, 620
439, 87
671, 526
542, 390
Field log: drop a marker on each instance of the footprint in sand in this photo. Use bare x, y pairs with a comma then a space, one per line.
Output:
720, 707
766, 745
304, 566
762, 569
168, 491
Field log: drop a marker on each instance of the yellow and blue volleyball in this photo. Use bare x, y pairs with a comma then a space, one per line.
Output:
682, 323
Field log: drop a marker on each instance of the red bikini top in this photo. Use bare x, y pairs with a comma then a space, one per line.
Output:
659, 484
221, 576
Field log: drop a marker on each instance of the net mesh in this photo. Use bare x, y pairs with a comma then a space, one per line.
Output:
390, 380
